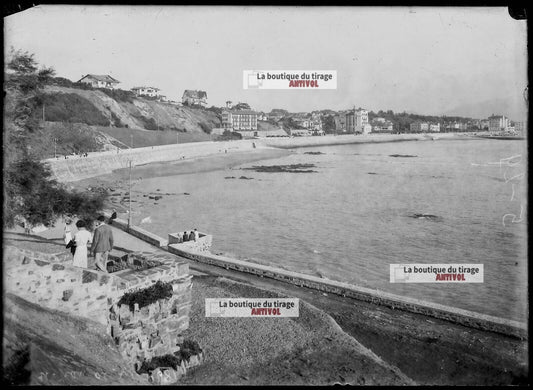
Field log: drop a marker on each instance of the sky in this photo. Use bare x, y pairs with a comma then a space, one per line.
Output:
426, 60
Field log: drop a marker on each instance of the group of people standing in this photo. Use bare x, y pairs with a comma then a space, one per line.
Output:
192, 236
101, 243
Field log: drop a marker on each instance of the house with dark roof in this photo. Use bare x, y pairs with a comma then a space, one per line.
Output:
99, 81
191, 97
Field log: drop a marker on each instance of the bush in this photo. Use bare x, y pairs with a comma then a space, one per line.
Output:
32, 193
187, 349
229, 135
116, 120
205, 127
160, 361
147, 296
119, 95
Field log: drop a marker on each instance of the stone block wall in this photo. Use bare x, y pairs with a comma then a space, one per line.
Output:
153, 330
52, 281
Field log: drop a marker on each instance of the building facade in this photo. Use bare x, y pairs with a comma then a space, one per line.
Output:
239, 120
381, 125
419, 127
146, 91
434, 127
357, 122
99, 81
498, 123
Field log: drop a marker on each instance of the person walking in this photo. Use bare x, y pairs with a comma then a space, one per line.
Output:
69, 237
102, 243
185, 237
82, 238
196, 235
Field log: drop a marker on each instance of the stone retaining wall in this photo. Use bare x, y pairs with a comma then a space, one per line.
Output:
52, 281
153, 330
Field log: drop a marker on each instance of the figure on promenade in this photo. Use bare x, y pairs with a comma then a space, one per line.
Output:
102, 243
113, 217
82, 238
191, 236
185, 236
70, 243
196, 235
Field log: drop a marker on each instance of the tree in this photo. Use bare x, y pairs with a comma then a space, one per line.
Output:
30, 192
328, 124
241, 106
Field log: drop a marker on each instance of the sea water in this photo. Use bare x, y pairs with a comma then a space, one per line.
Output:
358, 213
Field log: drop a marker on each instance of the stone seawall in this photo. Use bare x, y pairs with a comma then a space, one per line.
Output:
100, 163
452, 314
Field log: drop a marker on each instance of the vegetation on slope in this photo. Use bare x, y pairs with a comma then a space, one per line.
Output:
30, 192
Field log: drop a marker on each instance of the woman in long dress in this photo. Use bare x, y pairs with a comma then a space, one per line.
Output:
82, 238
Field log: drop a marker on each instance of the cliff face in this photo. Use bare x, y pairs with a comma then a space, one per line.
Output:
138, 113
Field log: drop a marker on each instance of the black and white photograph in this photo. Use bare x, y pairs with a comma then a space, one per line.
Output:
265, 195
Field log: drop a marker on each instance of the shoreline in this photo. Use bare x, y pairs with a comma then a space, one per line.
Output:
99, 164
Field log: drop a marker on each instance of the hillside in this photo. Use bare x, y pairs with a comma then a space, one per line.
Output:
84, 120
136, 113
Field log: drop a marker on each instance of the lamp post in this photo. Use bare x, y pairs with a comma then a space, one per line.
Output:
129, 214
131, 141
55, 147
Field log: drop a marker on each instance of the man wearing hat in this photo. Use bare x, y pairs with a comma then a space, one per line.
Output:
102, 243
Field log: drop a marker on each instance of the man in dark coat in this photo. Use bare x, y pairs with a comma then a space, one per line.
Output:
102, 243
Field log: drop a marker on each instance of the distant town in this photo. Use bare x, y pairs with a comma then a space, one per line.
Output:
240, 118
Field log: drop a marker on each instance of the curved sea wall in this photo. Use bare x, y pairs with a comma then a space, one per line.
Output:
452, 314
76, 168
100, 163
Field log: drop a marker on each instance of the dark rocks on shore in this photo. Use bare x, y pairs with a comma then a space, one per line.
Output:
372, 173
246, 178
292, 168
402, 155
429, 217
314, 153
230, 177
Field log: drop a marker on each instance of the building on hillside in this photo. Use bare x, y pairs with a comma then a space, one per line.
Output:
262, 117
357, 122
239, 120
498, 123
419, 127
302, 122
198, 98
99, 81
147, 91
484, 124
